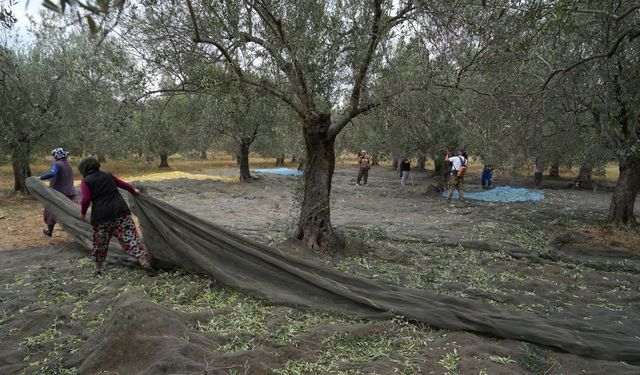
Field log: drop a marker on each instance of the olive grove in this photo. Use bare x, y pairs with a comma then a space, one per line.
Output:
511, 82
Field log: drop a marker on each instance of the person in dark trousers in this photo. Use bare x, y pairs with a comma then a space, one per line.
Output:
405, 170
537, 175
110, 214
487, 177
300, 164
456, 179
364, 164
60, 178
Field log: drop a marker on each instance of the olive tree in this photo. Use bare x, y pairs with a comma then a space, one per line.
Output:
600, 59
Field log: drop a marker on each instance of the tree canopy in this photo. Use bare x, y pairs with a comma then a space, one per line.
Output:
510, 82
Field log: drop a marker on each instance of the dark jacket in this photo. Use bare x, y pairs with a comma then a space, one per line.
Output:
106, 201
405, 166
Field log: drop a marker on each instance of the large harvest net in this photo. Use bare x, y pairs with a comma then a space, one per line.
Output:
177, 239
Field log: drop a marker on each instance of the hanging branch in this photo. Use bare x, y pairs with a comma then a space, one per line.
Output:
242, 76
630, 33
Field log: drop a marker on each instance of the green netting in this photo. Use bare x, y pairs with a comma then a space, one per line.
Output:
177, 239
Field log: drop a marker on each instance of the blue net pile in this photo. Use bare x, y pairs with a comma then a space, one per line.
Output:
506, 194
281, 171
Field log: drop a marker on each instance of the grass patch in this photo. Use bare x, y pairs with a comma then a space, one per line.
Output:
450, 362
344, 353
534, 359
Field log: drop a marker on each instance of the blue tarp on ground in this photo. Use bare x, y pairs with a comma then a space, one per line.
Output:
502, 194
282, 171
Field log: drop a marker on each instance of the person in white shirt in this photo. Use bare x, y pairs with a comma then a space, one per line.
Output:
456, 178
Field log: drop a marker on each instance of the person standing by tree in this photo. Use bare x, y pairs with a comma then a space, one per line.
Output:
110, 214
487, 177
405, 170
364, 166
537, 175
60, 178
458, 169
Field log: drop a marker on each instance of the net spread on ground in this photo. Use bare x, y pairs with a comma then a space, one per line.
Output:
178, 239
280, 171
506, 194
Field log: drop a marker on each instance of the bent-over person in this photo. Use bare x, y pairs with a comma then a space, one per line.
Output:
456, 178
110, 214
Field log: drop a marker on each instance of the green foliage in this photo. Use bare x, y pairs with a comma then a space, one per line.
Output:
344, 353
450, 362
533, 359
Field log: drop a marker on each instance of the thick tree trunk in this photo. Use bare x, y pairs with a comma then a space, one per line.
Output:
164, 160
584, 176
314, 226
280, 161
245, 175
21, 169
374, 160
102, 158
203, 154
438, 165
624, 196
422, 161
554, 171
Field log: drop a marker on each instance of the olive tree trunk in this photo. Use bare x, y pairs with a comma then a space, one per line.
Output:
164, 160
314, 226
584, 176
20, 157
554, 171
245, 145
624, 196
438, 165
422, 161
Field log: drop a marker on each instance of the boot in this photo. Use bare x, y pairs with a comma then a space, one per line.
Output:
49, 231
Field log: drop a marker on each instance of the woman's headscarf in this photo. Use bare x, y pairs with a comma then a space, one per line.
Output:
88, 165
59, 153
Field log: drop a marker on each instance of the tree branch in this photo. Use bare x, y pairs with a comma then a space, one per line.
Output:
631, 33
275, 25
354, 104
264, 84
